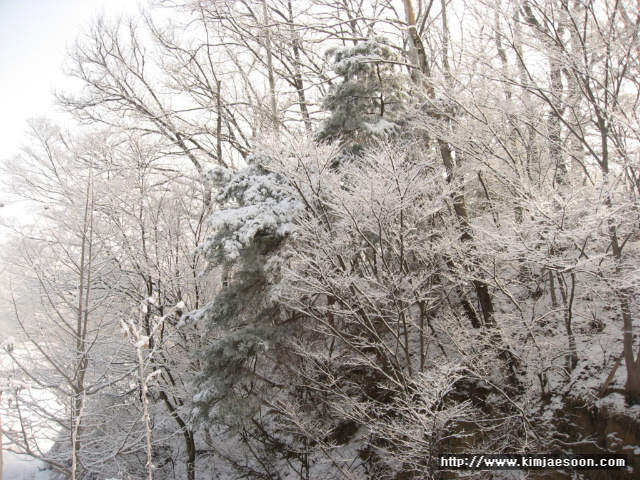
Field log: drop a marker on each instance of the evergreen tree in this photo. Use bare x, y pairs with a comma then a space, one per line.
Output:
257, 215
372, 99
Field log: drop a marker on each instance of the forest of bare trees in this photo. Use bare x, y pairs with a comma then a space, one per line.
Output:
331, 240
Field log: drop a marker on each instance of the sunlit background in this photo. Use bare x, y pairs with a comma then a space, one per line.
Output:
34, 35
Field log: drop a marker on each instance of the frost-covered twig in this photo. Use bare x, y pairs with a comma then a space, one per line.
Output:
141, 341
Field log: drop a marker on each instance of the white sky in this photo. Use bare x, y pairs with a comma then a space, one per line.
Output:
34, 35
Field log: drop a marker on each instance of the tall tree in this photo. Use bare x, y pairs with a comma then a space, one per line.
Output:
64, 295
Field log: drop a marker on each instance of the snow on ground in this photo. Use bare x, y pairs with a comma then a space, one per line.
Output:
19, 467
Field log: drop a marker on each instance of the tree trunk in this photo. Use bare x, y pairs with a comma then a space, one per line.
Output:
1, 447
480, 287
272, 82
297, 79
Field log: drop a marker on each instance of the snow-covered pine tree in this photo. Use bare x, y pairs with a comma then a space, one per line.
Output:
372, 99
255, 217
244, 366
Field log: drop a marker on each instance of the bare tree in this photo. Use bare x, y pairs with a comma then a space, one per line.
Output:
585, 141
123, 82
62, 290
109, 232
157, 218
